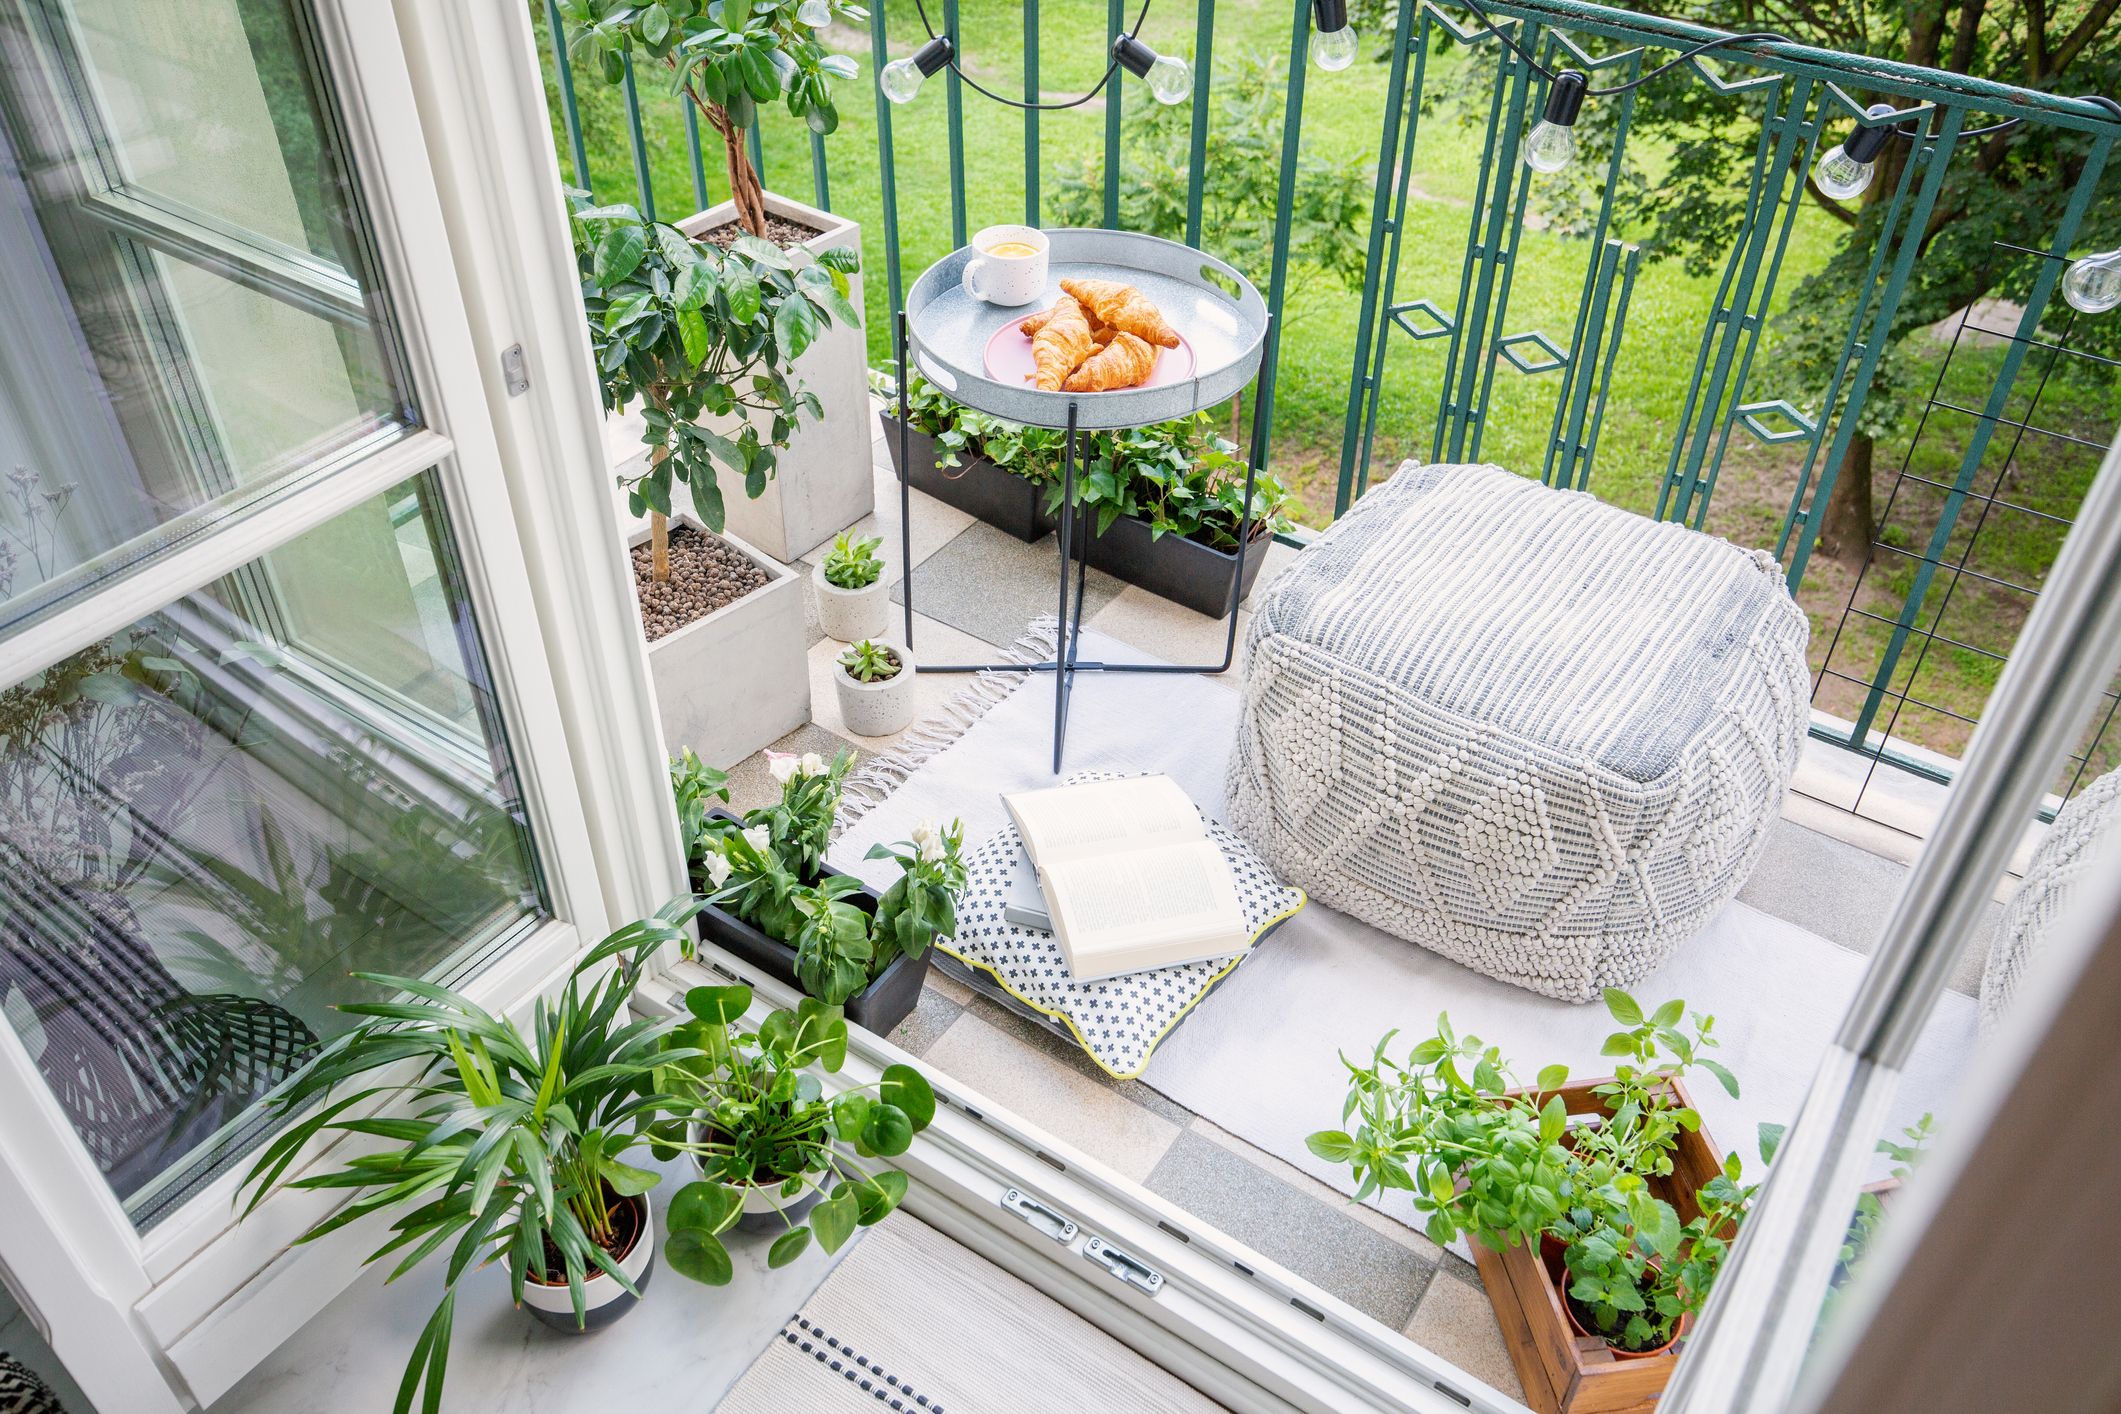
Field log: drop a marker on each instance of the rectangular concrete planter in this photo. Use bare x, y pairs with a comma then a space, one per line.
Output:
739, 679
979, 488
825, 481
888, 999
1564, 1372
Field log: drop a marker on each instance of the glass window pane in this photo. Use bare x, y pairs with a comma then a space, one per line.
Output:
212, 818
185, 249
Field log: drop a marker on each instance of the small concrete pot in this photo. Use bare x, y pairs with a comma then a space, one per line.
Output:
851, 615
878, 708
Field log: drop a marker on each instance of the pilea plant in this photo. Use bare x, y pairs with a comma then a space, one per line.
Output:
869, 661
1179, 477
692, 331
728, 59
755, 1116
852, 562
1501, 1162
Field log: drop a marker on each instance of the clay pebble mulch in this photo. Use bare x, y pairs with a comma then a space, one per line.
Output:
779, 229
705, 574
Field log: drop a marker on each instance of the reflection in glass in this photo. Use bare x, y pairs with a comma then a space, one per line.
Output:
185, 275
210, 819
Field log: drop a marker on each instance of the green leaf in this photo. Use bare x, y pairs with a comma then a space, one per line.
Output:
1623, 1007
1668, 1014
876, 1198
794, 326
834, 1219
692, 333
741, 289
700, 1255
719, 1006
1770, 1140
1553, 1120
628, 1181
1717, 1069
908, 1090
618, 255
887, 1131
788, 1246
1333, 1145
765, 252
1553, 1077
655, 23
705, 1206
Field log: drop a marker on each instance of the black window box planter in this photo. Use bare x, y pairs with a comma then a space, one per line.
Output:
1181, 570
979, 488
888, 999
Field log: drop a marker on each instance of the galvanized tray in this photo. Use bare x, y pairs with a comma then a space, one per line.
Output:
1213, 306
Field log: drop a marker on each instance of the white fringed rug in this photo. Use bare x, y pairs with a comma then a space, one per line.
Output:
1260, 1057
912, 1322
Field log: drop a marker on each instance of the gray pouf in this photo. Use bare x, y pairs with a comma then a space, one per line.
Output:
1534, 733
2084, 837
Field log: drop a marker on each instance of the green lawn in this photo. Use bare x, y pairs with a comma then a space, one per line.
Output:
1343, 116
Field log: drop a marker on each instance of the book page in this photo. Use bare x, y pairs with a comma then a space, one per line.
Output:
1067, 823
1127, 907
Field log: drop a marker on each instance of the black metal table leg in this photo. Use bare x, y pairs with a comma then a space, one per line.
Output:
905, 486
1064, 642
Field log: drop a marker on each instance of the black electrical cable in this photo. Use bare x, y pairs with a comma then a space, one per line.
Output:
977, 87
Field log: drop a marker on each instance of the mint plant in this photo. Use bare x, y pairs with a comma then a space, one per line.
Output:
853, 563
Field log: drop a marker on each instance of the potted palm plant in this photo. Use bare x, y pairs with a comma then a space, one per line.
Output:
500, 1146
853, 599
773, 901
1599, 1211
697, 334
771, 1146
728, 59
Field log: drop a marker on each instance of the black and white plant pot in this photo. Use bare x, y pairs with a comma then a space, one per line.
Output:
603, 1299
851, 615
878, 708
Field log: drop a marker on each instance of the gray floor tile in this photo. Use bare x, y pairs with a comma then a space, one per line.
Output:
1071, 1056
1312, 1238
1456, 1321
749, 784
929, 1020
990, 584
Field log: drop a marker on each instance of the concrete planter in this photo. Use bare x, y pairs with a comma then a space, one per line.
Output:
739, 679
851, 615
824, 483
878, 708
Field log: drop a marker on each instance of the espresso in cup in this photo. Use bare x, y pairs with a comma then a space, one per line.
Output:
1010, 268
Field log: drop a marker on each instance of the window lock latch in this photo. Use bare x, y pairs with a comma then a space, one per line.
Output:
515, 370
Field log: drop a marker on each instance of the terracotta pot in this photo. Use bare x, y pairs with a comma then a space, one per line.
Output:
1568, 1308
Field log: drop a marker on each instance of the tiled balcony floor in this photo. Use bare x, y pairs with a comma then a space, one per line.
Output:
1825, 869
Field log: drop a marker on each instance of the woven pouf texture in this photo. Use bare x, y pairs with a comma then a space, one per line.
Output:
2085, 837
1534, 733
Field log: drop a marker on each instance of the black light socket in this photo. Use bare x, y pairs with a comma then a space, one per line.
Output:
1329, 16
932, 56
1133, 55
1868, 140
1565, 98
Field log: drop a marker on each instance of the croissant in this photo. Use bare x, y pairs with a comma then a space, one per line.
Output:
1100, 333
1124, 308
1122, 363
1062, 342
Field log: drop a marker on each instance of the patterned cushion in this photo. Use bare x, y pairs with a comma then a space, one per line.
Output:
1119, 1021
2083, 838
1537, 734
21, 1392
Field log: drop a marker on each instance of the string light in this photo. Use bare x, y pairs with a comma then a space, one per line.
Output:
901, 78
1553, 143
1334, 46
1170, 79
1845, 171
2092, 285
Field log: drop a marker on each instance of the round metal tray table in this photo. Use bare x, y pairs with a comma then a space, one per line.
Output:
944, 333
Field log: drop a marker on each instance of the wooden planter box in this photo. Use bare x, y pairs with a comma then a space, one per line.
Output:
1564, 1372
889, 998
1183, 571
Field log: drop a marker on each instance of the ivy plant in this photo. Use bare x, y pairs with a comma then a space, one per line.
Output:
692, 331
729, 59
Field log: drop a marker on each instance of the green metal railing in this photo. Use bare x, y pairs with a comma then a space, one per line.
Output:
1797, 99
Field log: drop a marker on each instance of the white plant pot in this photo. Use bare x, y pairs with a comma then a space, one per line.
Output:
603, 1299
878, 708
851, 615
738, 679
825, 481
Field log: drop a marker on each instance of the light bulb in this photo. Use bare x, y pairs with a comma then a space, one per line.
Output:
2092, 285
901, 78
1552, 145
1334, 49
1550, 148
814, 13
1170, 79
1841, 176
1845, 171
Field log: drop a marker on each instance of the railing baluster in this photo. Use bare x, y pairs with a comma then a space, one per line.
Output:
564, 71
643, 183
880, 55
1386, 301
1115, 91
755, 144
954, 107
820, 180
692, 150
1031, 115
1197, 148
1292, 127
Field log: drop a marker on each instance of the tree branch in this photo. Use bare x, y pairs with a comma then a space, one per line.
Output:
1840, 213
2087, 29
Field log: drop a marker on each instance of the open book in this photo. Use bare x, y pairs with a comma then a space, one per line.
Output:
1131, 879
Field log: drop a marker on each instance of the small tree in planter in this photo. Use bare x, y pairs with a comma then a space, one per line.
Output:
726, 58
692, 330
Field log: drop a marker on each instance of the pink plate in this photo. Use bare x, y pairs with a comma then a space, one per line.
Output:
1009, 359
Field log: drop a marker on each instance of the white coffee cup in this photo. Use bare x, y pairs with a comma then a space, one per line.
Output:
1010, 268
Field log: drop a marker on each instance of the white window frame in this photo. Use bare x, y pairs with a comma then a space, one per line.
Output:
169, 1318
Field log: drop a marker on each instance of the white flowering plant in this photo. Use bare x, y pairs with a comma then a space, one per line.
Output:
800, 822
922, 905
